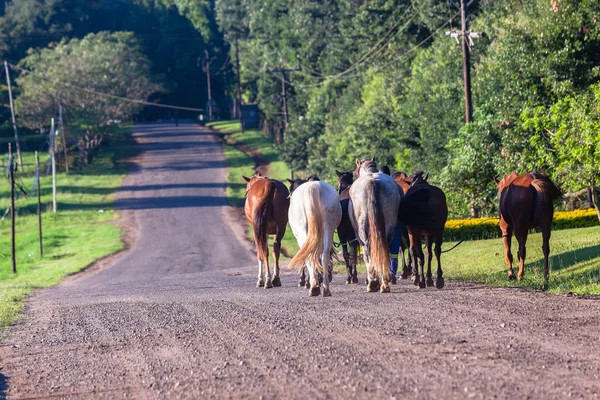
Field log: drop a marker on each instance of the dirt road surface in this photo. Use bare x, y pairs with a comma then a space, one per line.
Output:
179, 316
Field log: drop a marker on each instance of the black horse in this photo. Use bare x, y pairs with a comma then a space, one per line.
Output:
345, 231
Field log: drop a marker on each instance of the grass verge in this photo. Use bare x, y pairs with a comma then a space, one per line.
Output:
77, 235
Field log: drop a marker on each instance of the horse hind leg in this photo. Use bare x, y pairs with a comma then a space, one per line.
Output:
506, 240
315, 289
327, 267
429, 259
522, 239
260, 282
276, 252
353, 260
347, 262
546, 251
439, 282
302, 281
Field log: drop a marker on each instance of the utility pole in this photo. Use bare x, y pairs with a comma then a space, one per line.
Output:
39, 203
239, 86
206, 61
53, 159
283, 78
467, 40
64, 139
12, 112
11, 177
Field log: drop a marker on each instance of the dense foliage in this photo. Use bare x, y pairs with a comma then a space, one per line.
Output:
376, 78
381, 78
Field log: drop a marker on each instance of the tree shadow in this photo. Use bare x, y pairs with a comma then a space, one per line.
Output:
569, 258
148, 203
3, 385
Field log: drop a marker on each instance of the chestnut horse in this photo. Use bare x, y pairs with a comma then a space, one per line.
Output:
266, 208
430, 223
526, 202
345, 231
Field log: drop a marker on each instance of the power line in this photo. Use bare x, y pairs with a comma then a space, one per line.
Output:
102, 94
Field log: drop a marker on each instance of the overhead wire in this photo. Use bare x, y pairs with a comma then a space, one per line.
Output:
108, 95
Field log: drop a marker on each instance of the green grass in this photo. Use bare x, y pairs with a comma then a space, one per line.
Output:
239, 164
79, 233
574, 262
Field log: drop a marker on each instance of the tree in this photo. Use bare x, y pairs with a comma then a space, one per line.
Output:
76, 74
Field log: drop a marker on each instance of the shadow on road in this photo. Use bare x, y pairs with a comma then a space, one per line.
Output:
3, 385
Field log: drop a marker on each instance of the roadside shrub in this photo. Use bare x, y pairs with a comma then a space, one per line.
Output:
488, 228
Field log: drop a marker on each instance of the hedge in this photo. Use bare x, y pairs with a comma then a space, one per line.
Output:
488, 228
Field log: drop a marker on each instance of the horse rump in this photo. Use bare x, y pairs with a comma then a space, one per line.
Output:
414, 209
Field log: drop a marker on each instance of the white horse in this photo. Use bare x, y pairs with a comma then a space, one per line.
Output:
373, 210
314, 214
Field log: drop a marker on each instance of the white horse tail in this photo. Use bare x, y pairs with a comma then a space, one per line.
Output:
379, 251
313, 246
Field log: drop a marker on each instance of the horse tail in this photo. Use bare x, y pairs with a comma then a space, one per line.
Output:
546, 189
260, 221
379, 251
313, 246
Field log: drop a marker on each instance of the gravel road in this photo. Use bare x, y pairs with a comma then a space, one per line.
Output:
179, 316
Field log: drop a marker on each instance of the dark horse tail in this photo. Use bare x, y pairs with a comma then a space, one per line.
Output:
260, 221
379, 251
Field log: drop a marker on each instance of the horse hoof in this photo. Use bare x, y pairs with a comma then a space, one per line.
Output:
307, 285
512, 277
354, 279
385, 289
373, 286
276, 282
405, 275
439, 283
415, 280
301, 284
429, 282
421, 284
348, 280
268, 284
326, 293
260, 283
315, 291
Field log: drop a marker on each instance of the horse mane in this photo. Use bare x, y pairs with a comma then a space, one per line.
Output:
369, 165
417, 173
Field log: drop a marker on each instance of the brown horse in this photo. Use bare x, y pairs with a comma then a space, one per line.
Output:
267, 204
526, 202
430, 223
